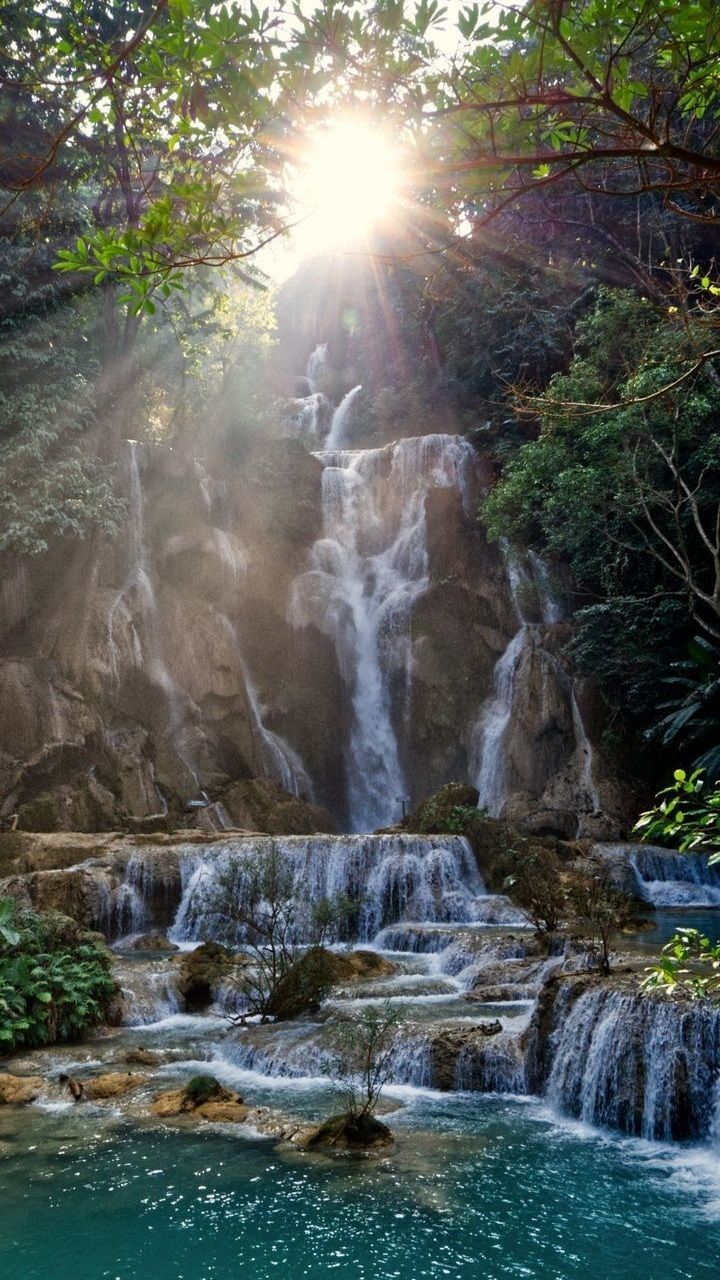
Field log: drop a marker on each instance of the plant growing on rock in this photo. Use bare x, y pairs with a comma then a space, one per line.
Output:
534, 884
362, 1056
55, 980
599, 912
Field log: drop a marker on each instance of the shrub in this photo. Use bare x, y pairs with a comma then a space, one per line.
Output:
201, 1089
533, 882
55, 979
599, 912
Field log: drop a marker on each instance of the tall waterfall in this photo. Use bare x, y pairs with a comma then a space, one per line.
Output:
366, 572
644, 1066
668, 879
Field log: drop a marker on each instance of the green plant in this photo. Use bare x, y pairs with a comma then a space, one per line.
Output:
200, 1089
685, 812
690, 966
693, 712
532, 879
599, 912
362, 1060
55, 980
8, 933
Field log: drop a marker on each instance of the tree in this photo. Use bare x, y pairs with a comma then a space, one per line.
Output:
254, 901
690, 967
599, 912
685, 810
532, 879
363, 1054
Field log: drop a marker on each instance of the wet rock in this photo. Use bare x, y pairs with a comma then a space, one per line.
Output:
260, 804
204, 1097
142, 1057
19, 1089
112, 1084
152, 942
201, 971
347, 1133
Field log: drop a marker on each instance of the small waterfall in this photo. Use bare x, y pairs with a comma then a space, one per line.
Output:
149, 991
640, 1065
390, 877
490, 1065
536, 606
668, 879
336, 434
316, 365
491, 780
281, 761
366, 572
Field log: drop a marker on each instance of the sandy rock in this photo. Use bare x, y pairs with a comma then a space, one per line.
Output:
19, 1089
143, 1057
224, 1106
112, 1084
152, 942
356, 1134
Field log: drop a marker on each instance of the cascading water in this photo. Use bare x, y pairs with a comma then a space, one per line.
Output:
338, 426
389, 877
367, 571
668, 879
644, 1066
281, 761
536, 606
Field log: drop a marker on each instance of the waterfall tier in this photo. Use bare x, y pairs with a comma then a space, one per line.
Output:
643, 1065
668, 879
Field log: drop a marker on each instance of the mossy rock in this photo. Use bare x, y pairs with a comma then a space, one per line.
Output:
351, 1133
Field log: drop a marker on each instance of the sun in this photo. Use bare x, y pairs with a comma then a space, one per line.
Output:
348, 182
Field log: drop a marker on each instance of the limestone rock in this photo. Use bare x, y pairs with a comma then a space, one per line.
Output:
356, 1134
112, 1084
152, 942
19, 1089
260, 804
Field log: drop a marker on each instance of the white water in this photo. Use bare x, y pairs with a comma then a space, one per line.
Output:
668, 879
392, 878
366, 572
644, 1066
338, 426
281, 761
533, 594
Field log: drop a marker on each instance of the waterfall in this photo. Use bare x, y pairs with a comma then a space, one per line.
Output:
389, 877
336, 434
668, 879
316, 365
536, 606
641, 1065
281, 761
366, 572
491, 780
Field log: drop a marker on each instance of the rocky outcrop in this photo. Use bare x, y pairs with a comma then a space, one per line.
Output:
351, 1134
260, 804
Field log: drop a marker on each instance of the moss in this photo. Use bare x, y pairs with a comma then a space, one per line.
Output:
202, 1089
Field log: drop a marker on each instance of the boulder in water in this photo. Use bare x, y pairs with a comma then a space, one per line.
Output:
152, 942
19, 1089
352, 1134
112, 1084
205, 1097
200, 972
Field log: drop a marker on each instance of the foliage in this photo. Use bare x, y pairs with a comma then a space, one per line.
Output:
254, 901
200, 1089
693, 711
690, 966
55, 980
685, 810
334, 917
362, 1055
599, 912
532, 879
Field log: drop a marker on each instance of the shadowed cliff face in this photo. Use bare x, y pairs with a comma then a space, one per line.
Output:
136, 675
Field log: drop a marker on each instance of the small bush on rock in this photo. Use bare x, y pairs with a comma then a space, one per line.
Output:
533, 882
